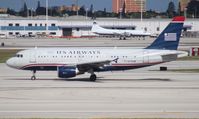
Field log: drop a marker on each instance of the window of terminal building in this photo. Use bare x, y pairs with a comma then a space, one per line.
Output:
17, 33
10, 24
145, 29
10, 33
53, 25
158, 28
17, 24
52, 33
29, 24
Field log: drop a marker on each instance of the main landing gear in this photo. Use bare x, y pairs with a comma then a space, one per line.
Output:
33, 76
93, 77
122, 38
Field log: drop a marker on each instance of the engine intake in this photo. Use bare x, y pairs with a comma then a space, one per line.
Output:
67, 71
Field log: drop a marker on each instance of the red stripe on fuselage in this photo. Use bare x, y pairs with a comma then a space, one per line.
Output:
41, 65
115, 64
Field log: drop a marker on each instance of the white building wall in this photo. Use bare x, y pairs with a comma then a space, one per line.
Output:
82, 33
24, 23
84, 25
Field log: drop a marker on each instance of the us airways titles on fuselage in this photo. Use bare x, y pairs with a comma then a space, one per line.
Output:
84, 52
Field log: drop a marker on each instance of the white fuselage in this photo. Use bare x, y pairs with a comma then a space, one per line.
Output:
122, 58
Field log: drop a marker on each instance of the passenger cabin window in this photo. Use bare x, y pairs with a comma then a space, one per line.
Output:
29, 24
53, 25
10, 24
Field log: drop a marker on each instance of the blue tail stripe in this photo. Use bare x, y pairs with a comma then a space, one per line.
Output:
174, 28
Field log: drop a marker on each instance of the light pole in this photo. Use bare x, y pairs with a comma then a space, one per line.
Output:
120, 13
77, 7
46, 16
195, 12
28, 13
86, 13
31, 13
185, 12
141, 9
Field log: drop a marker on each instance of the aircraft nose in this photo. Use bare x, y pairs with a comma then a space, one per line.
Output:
10, 63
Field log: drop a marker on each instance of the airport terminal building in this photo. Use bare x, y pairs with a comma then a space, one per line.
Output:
81, 26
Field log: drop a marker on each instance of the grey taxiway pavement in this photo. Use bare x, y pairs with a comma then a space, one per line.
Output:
22, 43
139, 93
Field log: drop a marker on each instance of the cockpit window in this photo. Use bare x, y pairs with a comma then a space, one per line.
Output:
19, 55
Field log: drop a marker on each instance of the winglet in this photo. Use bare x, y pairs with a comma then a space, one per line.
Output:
179, 19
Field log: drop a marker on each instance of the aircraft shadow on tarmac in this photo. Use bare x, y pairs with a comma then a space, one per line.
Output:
98, 81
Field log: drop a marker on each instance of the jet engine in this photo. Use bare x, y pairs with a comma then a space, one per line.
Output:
127, 34
67, 71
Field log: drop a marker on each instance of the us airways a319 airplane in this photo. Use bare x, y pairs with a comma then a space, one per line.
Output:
69, 62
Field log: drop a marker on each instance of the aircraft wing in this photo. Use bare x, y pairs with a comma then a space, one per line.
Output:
94, 65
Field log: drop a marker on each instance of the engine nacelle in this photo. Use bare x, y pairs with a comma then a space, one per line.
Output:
67, 71
127, 34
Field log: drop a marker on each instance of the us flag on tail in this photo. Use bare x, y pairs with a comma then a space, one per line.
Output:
170, 37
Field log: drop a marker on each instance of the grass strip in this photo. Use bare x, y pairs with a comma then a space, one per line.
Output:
6, 54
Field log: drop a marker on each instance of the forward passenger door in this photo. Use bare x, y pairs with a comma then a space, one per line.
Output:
33, 56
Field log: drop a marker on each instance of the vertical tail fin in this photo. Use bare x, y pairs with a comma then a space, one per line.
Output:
169, 38
96, 28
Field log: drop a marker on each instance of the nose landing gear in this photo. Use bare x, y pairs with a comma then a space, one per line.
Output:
33, 77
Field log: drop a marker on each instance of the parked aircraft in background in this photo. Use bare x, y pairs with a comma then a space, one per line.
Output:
69, 62
118, 32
